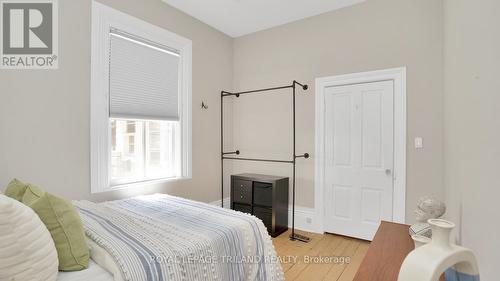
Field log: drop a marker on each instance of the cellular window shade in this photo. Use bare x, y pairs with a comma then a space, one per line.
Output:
143, 80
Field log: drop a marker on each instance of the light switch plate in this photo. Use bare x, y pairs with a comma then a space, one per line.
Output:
419, 143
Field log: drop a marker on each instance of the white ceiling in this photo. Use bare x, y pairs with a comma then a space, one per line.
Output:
240, 17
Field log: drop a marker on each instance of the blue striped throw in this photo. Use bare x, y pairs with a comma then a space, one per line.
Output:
161, 237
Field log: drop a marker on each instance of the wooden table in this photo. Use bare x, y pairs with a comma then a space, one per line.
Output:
389, 248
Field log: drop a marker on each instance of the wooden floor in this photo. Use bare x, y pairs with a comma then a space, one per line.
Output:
326, 257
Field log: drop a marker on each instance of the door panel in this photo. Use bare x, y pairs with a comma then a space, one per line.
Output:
342, 197
359, 147
372, 129
371, 203
342, 129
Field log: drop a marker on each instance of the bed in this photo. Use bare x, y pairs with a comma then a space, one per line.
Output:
162, 237
95, 273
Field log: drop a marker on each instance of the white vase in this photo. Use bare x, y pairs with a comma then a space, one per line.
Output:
441, 231
428, 262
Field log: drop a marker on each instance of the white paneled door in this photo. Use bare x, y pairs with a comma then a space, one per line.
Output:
359, 158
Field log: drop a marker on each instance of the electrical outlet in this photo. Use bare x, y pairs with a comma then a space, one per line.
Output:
309, 220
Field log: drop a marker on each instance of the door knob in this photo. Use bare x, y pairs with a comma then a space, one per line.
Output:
388, 172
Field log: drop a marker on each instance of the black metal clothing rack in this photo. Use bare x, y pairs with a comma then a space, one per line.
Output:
293, 236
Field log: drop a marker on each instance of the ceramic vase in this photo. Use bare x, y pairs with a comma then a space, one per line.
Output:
428, 262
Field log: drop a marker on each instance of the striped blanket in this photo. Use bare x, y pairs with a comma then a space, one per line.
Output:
162, 237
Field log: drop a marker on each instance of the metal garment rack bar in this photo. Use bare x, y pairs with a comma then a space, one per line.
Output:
259, 160
293, 236
226, 94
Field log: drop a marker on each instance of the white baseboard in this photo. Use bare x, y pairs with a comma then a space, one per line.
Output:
217, 203
304, 217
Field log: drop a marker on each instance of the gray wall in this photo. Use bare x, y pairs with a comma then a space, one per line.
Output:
472, 126
377, 34
44, 115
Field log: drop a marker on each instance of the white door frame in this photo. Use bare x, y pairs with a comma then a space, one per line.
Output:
398, 75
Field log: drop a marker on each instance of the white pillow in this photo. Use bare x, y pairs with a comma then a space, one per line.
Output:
27, 251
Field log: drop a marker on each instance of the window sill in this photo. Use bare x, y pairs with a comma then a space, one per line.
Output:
141, 184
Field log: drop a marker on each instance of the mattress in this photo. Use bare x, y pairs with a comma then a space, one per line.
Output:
93, 273
161, 237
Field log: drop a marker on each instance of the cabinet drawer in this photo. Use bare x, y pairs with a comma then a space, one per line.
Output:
266, 216
242, 191
263, 194
242, 208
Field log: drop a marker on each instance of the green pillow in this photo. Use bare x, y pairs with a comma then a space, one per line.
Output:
31, 194
64, 225
15, 189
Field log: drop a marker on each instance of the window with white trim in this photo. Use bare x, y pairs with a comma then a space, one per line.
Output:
140, 102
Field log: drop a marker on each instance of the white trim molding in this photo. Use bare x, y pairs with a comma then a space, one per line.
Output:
305, 218
227, 201
398, 75
104, 19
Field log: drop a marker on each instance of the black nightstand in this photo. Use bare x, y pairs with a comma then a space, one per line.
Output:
266, 197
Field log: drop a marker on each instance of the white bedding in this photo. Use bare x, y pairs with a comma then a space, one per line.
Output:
93, 273
104, 260
161, 237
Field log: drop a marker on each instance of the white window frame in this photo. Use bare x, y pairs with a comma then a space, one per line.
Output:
103, 20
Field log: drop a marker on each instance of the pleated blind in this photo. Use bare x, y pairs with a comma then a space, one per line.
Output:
143, 79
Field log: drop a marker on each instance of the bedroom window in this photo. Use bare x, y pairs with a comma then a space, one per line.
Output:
149, 151
140, 102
